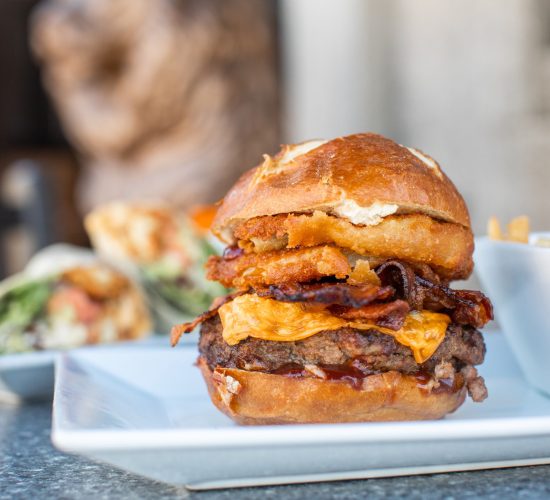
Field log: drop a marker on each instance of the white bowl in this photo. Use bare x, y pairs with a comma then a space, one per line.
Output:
516, 277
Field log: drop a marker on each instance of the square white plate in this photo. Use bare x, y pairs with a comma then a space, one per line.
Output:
29, 376
146, 410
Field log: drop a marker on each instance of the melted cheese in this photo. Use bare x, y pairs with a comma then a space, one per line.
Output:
268, 319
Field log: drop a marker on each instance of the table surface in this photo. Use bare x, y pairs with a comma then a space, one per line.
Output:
31, 468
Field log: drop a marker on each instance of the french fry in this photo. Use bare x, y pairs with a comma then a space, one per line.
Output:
518, 229
493, 229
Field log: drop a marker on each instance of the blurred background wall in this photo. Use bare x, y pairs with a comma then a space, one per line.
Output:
164, 99
468, 82
175, 98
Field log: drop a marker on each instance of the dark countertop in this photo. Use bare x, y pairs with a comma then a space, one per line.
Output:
31, 468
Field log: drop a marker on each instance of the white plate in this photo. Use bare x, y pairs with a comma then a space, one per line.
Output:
29, 376
147, 411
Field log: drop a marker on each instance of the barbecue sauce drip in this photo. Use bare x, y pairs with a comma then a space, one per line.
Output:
446, 385
348, 374
345, 373
354, 376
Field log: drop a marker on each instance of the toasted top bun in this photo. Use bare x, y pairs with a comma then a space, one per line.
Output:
250, 397
362, 178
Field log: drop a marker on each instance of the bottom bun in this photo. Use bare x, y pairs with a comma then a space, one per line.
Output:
263, 398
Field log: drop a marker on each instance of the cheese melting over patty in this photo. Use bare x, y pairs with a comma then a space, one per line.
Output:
268, 319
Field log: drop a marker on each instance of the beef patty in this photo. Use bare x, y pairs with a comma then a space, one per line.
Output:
378, 352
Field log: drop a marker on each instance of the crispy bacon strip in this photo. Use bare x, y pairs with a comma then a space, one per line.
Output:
387, 314
178, 330
402, 278
341, 294
466, 307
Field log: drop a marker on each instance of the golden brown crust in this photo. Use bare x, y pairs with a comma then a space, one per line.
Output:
99, 281
363, 169
261, 398
122, 315
138, 232
129, 314
445, 247
272, 268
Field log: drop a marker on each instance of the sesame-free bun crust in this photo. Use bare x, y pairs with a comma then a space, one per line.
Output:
250, 397
362, 170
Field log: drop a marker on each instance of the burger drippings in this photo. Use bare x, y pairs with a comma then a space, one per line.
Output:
346, 373
428, 384
354, 376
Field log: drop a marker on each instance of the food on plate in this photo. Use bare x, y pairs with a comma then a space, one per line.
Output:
164, 249
66, 298
202, 217
517, 229
494, 231
341, 253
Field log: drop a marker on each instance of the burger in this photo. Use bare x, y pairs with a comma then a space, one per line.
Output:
163, 249
341, 253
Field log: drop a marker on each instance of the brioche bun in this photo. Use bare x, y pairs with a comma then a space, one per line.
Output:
250, 397
362, 177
